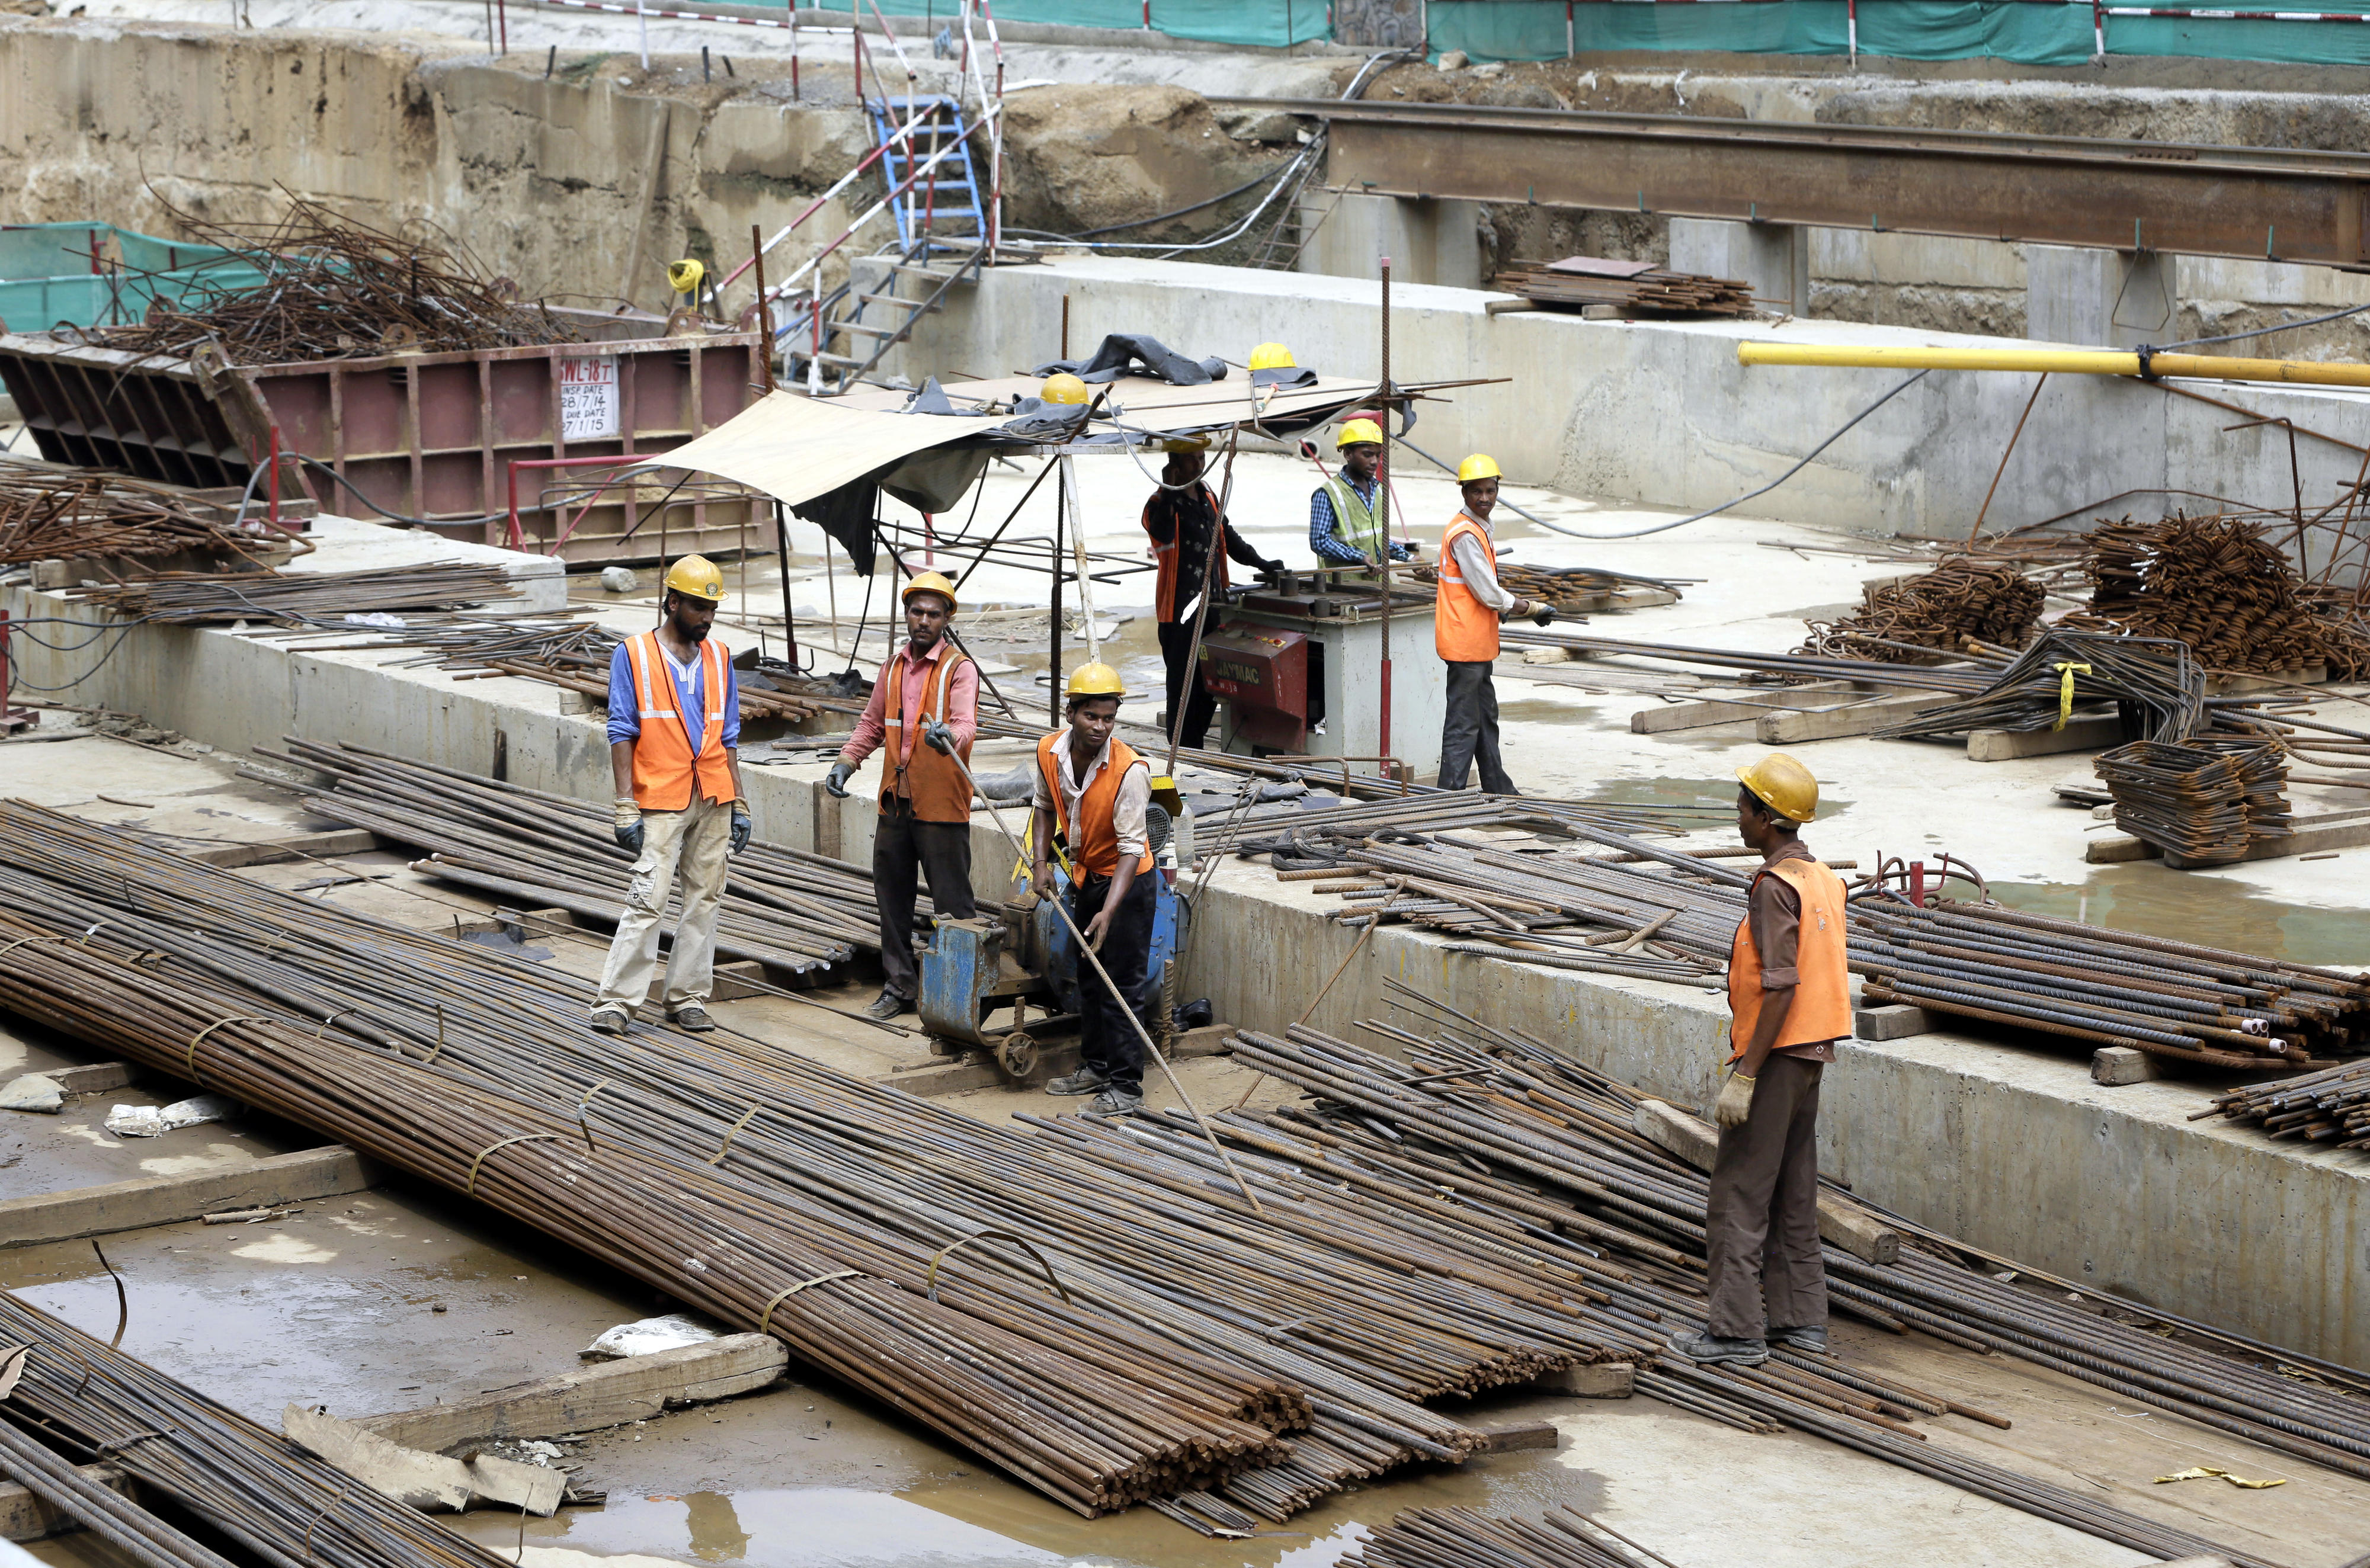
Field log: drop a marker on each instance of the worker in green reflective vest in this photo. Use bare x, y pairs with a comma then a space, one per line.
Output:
1346, 522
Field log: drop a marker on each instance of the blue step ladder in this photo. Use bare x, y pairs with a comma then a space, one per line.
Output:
943, 205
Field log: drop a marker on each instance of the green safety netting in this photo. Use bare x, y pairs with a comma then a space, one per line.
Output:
1270, 24
48, 276
2030, 32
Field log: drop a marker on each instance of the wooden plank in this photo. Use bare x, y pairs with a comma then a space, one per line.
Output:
607, 1394
2084, 732
1842, 1223
1509, 1436
24, 1517
1797, 724
1717, 710
1598, 1380
168, 1200
272, 851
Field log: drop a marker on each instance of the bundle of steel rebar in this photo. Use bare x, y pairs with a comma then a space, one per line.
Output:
1976, 669
2330, 1106
2156, 685
788, 909
1572, 591
334, 288
310, 599
48, 513
1460, 1538
2217, 583
2204, 802
266, 1496
1992, 602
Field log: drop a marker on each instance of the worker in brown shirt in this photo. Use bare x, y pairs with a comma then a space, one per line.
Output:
1789, 997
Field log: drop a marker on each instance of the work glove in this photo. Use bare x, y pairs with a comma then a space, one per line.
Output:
836, 785
1735, 1101
941, 735
741, 826
1271, 568
626, 823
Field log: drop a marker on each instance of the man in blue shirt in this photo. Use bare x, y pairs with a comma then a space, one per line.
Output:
1346, 522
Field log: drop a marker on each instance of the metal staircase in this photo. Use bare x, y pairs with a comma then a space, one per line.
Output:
939, 208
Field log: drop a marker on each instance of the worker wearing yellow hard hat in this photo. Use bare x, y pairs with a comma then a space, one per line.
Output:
674, 730
1465, 631
922, 716
1347, 522
1789, 1001
1190, 547
1092, 790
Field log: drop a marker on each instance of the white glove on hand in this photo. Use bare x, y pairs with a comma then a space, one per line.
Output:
1735, 1101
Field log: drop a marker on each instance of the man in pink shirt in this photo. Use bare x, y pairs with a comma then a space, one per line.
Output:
924, 822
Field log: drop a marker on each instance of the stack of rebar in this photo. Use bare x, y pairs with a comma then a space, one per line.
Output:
1992, 602
293, 599
2330, 1106
2157, 686
263, 1495
2217, 583
49, 514
1459, 1538
2205, 803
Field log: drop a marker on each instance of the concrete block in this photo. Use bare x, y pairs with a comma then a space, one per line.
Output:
1601, 1380
1796, 726
2115, 1065
2090, 732
272, 852
607, 1394
1509, 1436
1842, 1223
1429, 241
734, 980
24, 1517
2114, 848
2096, 298
1894, 1022
167, 1200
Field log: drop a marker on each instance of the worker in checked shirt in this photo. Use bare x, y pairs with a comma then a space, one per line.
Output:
1465, 631
924, 823
1346, 525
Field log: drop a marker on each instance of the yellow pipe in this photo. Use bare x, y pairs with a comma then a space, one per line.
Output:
2061, 362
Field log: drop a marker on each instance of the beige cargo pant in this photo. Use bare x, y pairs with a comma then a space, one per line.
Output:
696, 844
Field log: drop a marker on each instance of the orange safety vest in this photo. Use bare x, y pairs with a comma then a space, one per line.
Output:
1094, 842
1464, 629
1822, 1008
1164, 591
937, 787
666, 762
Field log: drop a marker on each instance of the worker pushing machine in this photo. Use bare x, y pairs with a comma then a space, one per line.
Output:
1464, 630
924, 822
1180, 518
674, 730
1092, 789
1790, 997
1348, 525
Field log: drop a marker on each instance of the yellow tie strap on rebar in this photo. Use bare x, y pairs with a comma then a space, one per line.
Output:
581, 1107
429, 1059
2066, 670
189, 1057
765, 1318
723, 1150
930, 1284
471, 1189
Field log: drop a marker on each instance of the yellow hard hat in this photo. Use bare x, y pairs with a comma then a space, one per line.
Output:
684, 277
1481, 466
1096, 680
1186, 443
1063, 388
1273, 356
696, 576
931, 582
1358, 431
1784, 785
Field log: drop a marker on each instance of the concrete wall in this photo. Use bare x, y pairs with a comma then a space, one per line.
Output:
1661, 413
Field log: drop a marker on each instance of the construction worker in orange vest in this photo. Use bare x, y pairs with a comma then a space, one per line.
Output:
674, 730
1092, 790
1464, 630
1789, 997
924, 823
1182, 519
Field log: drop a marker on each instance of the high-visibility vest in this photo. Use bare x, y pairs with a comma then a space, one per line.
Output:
1355, 523
937, 787
1822, 1009
1093, 840
666, 760
1165, 557
1464, 629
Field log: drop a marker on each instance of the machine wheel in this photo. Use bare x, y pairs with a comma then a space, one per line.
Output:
1016, 1054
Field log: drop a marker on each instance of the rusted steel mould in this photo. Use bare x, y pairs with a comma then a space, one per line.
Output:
57, 514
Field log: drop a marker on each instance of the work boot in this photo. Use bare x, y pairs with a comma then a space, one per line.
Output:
1712, 1350
1115, 1100
1811, 1340
888, 1004
692, 1018
1085, 1081
609, 1020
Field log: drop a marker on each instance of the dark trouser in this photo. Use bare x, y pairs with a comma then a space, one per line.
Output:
1106, 1041
1763, 1215
1470, 733
901, 846
1185, 683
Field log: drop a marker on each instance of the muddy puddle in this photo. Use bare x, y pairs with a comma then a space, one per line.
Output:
2212, 911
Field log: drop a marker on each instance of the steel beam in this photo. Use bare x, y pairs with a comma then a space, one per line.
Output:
2262, 203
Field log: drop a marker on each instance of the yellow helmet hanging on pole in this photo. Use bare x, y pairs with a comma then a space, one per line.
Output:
930, 582
1273, 356
697, 576
1358, 432
1784, 785
1481, 466
1096, 680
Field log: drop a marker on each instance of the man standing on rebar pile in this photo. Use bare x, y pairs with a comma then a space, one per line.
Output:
674, 730
1092, 790
1465, 631
924, 822
1180, 518
1346, 522
1790, 997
